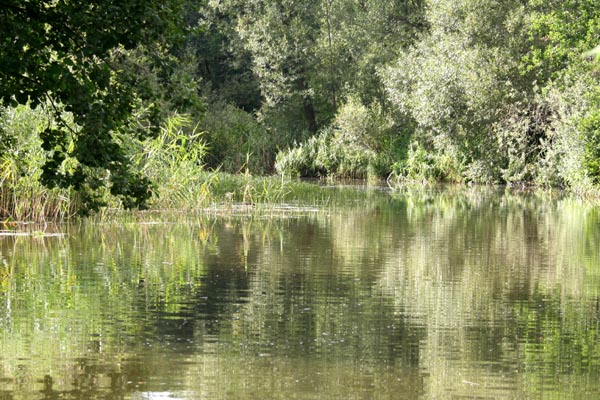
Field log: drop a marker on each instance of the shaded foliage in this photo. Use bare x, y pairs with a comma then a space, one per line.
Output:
66, 53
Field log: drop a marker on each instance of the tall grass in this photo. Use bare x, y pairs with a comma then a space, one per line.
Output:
173, 161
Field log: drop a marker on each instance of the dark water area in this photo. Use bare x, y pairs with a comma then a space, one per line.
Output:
463, 293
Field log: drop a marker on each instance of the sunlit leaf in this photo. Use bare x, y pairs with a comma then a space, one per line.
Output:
595, 52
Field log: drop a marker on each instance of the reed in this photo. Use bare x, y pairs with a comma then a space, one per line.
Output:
173, 162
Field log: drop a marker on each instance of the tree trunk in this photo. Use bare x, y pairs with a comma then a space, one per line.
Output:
309, 109
309, 114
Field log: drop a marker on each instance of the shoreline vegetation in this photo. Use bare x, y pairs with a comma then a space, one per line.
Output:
185, 104
181, 183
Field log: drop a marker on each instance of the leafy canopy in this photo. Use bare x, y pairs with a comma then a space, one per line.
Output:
66, 53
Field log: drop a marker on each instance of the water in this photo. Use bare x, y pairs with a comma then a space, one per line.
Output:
472, 293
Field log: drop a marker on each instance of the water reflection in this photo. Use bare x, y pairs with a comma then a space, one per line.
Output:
465, 293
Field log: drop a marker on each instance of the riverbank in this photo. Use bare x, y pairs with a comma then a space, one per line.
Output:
218, 194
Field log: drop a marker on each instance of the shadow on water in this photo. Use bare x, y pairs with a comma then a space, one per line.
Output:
416, 293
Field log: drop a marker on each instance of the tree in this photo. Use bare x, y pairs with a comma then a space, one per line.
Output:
359, 37
224, 65
458, 84
560, 32
66, 54
310, 55
281, 36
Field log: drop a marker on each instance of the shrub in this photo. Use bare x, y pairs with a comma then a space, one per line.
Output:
353, 146
358, 135
236, 141
22, 196
571, 148
590, 129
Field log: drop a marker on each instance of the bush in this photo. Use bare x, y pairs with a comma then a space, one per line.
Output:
590, 128
236, 141
353, 146
22, 196
571, 148
358, 135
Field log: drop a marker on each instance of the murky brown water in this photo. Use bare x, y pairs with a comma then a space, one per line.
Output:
417, 294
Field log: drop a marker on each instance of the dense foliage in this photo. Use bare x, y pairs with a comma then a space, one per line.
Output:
492, 91
69, 56
461, 90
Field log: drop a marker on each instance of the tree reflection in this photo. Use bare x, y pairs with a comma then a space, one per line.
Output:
461, 291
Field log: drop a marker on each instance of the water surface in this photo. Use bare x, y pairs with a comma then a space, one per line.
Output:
414, 294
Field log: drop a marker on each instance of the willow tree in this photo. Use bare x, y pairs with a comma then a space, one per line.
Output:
281, 37
459, 84
312, 54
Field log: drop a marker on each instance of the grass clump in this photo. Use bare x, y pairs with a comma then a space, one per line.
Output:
173, 161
